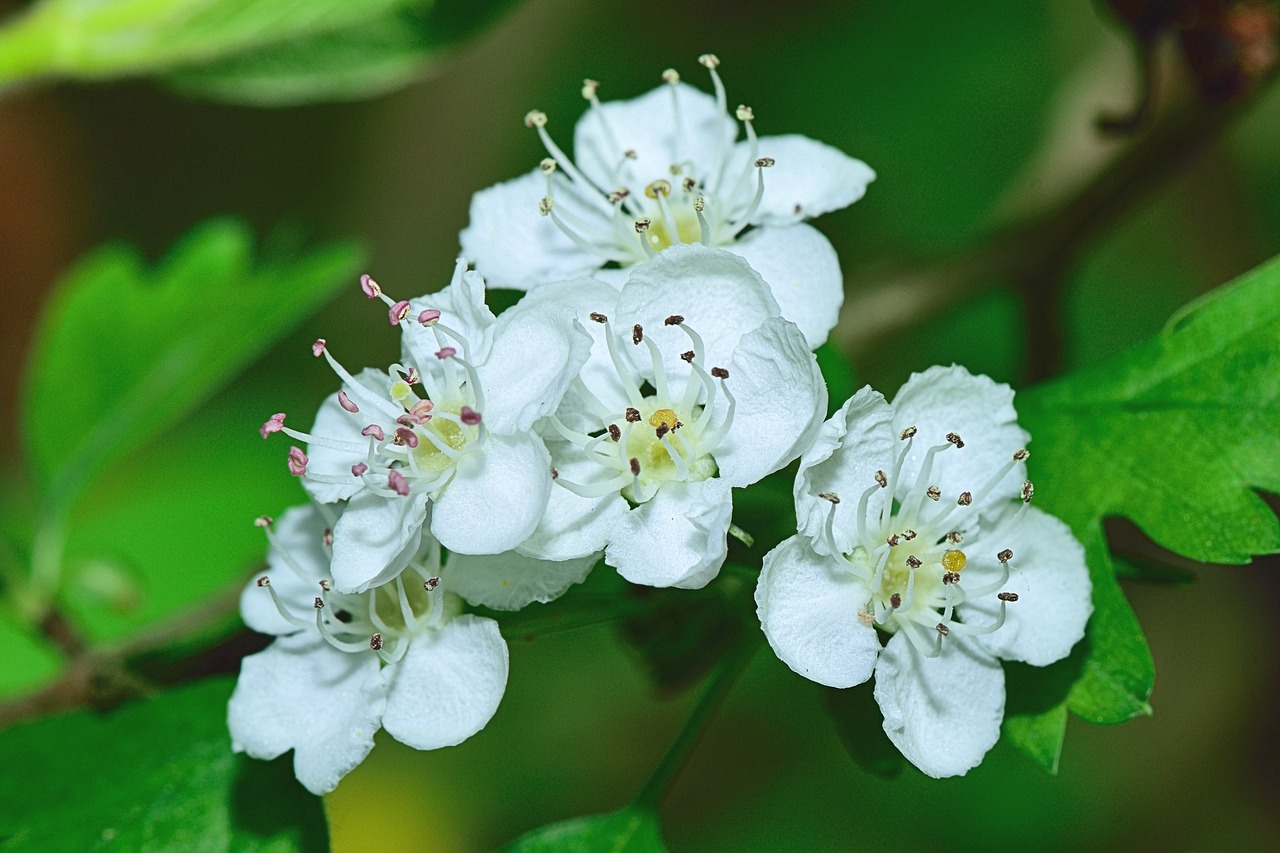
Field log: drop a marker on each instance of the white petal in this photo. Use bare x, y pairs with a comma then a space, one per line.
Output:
1051, 580
299, 534
302, 694
980, 411
512, 245
462, 309
647, 125
448, 685
536, 353
677, 538
803, 274
942, 713
717, 292
574, 526
852, 445
809, 178
375, 538
809, 612
781, 400
336, 424
511, 580
496, 497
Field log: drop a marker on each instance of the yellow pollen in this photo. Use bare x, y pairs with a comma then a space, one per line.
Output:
954, 561
666, 418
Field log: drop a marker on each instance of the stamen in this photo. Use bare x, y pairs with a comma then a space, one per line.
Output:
642, 227
297, 461
397, 482
370, 287
345, 402
275, 423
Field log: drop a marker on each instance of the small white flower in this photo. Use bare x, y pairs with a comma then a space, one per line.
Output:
663, 169
451, 424
915, 522
399, 656
695, 386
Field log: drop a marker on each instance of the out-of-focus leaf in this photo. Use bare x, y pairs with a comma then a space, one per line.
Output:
156, 774
124, 352
1151, 572
1174, 435
1038, 736
858, 722
838, 374
628, 831
28, 660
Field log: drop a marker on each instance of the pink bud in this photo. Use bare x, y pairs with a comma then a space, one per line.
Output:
358, 469
406, 437
370, 287
345, 402
275, 423
398, 312
398, 483
317, 349
375, 431
469, 416
297, 461
429, 317
446, 352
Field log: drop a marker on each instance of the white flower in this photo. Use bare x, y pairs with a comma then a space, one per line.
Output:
915, 522
663, 169
695, 386
399, 656
452, 425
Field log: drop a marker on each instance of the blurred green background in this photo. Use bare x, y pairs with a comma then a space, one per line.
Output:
971, 114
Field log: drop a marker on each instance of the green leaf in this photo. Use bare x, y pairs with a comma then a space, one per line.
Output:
1038, 736
124, 352
156, 774
838, 373
858, 722
1174, 435
628, 831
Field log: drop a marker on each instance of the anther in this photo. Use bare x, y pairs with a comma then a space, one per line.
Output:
942, 629
662, 430
630, 154
955, 439
345, 402
359, 469
893, 540
263, 521
687, 356
908, 535
895, 601
548, 165
671, 76
618, 195
1005, 556
446, 352
955, 537
275, 423
765, 162
614, 432
1028, 491
913, 561
469, 416
699, 204
635, 467
933, 493
642, 225
965, 499
535, 118
689, 185
637, 334
264, 581
412, 377
326, 585
430, 584
909, 432
375, 431
319, 603
719, 373
405, 437
555, 475
744, 113
829, 496
950, 578
297, 461
1008, 596
370, 287
633, 415
660, 187
1019, 455
317, 348
327, 537
421, 411
375, 642
398, 483
545, 204
881, 480
709, 60
598, 317
673, 320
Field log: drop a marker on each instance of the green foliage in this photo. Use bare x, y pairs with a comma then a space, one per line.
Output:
254, 51
858, 722
631, 830
157, 774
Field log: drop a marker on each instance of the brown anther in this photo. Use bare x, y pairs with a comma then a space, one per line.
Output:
689, 185
375, 642
950, 578
637, 334
633, 415
893, 540
1008, 596
614, 432
829, 496
942, 629
1005, 556
598, 317
660, 187
895, 601
635, 467
264, 581
687, 356
955, 439
765, 162
555, 475
913, 561
719, 373
630, 153
662, 430
535, 118
326, 584
1028, 492
1019, 455
319, 603
909, 432
908, 535
618, 195
965, 498
547, 165
430, 584
642, 225
673, 320
881, 480
954, 537
545, 205
933, 493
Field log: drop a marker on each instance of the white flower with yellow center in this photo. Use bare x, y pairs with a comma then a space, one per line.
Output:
916, 525
695, 386
665, 169
451, 424
400, 656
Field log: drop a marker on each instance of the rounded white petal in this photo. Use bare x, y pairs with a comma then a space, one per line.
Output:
1051, 580
375, 538
648, 126
950, 399
677, 538
808, 178
536, 353
511, 580
803, 273
512, 245
851, 446
448, 685
302, 694
942, 713
295, 565
809, 612
717, 292
574, 526
781, 399
496, 497
463, 309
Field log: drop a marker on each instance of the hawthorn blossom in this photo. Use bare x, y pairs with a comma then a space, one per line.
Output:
450, 424
399, 656
916, 525
665, 169
695, 386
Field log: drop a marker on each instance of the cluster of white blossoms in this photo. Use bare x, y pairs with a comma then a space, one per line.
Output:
660, 358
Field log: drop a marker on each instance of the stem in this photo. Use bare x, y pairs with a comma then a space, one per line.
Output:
731, 666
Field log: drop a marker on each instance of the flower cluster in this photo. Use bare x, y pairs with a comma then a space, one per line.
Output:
660, 358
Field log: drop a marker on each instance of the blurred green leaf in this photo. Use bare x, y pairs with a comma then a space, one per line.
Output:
858, 723
628, 831
124, 352
156, 774
1038, 736
1175, 435
838, 373
1149, 571
28, 660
